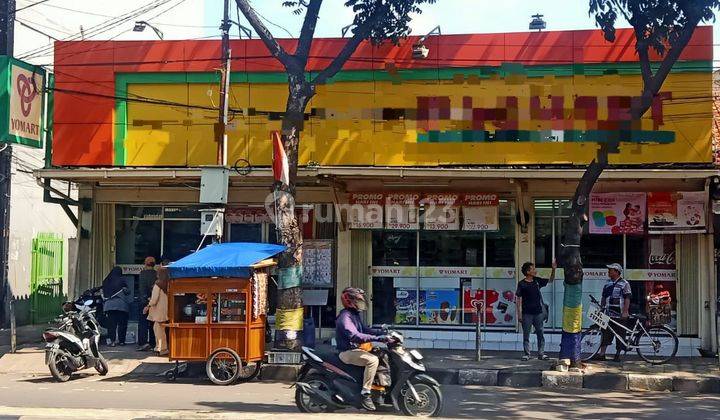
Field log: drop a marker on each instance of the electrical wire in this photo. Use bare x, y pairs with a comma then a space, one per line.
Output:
29, 6
102, 27
35, 29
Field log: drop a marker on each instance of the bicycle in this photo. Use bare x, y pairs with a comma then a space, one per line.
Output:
651, 343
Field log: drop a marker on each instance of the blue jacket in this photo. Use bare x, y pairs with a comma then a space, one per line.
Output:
350, 331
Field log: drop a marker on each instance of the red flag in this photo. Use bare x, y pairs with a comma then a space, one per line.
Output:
281, 170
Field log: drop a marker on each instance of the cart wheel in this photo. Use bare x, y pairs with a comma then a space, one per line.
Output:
249, 371
170, 376
223, 367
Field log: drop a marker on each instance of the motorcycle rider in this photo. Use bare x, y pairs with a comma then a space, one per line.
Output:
351, 333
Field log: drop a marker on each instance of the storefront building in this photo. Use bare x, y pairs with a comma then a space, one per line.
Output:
427, 182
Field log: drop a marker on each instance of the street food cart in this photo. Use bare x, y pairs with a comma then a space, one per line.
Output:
217, 300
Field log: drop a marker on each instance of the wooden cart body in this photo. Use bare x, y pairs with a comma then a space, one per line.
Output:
196, 339
216, 308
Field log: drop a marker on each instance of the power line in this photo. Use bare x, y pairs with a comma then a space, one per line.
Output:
30, 5
35, 29
102, 27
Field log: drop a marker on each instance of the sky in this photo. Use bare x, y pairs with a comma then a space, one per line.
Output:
186, 19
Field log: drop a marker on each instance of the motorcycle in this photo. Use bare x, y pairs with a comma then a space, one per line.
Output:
74, 344
326, 384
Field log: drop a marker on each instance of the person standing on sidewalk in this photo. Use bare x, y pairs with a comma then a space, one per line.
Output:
531, 310
616, 296
117, 297
148, 276
157, 310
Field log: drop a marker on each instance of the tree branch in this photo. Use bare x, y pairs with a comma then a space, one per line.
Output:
308, 31
643, 50
265, 35
624, 13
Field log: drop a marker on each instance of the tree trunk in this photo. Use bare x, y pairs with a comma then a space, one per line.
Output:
289, 313
572, 261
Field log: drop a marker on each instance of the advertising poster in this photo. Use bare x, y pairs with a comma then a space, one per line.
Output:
618, 213
677, 212
442, 211
401, 211
500, 309
406, 306
441, 307
480, 212
366, 211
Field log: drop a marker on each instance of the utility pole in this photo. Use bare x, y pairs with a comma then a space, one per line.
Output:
221, 128
7, 33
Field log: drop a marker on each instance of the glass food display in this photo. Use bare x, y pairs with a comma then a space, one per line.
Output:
229, 307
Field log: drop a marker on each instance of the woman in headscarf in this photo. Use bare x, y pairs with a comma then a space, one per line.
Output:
116, 306
157, 310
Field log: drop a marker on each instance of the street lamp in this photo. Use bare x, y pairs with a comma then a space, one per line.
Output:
419, 50
141, 25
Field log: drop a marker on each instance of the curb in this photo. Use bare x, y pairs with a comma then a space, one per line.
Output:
598, 381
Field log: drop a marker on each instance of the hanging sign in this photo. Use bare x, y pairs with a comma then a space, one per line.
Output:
21, 112
442, 211
677, 212
617, 213
366, 210
401, 211
480, 212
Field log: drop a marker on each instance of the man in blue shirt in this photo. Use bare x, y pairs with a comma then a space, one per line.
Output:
616, 301
350, 333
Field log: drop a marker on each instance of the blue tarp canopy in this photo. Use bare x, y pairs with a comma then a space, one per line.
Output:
232, 259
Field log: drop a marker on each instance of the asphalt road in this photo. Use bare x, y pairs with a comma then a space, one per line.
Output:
95, 397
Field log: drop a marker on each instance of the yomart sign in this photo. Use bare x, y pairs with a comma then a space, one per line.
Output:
21, 102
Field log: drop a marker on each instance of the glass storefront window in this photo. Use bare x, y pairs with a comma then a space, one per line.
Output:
246, 232
182, 238
391, 248
450, 275
137, 239
648, 258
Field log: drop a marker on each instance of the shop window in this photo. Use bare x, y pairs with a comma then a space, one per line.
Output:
182, 238
650, 258
181, 212
394, 248
246, 232
451, 249
137, 239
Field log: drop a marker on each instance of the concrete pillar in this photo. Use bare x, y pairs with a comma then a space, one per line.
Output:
708, 285
83, 263
344, 271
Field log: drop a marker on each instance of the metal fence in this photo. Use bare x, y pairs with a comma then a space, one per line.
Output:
46, 277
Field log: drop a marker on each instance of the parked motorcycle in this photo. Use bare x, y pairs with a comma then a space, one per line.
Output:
74, 344
326, 384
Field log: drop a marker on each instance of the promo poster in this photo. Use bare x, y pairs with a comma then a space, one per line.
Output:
500, 309
618, 213
406, 306
441, 307
676, 212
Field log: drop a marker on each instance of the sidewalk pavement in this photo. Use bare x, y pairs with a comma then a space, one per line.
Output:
451, 367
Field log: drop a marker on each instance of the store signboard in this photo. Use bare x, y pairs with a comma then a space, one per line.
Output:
401, 211
242, 215
618, 213
442, 211
366, 210
677, 212
21, 110
480, 212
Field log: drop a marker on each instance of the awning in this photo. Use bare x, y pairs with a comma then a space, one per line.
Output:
234, 259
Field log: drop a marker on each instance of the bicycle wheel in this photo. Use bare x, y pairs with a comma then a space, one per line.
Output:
657, 345
590, 342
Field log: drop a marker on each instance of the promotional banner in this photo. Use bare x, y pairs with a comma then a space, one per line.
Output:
366, 210
480, 212
406, 306
441, 211
618, 213
677, 212
401, 211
